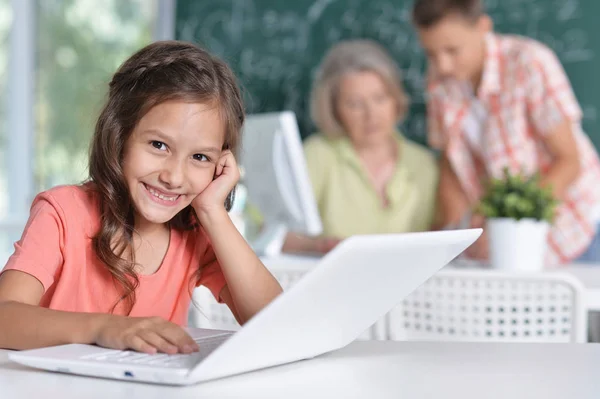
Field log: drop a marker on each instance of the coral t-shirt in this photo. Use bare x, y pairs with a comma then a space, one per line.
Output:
56, 248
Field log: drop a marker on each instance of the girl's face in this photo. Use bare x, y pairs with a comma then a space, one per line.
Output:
366, 108
170, 158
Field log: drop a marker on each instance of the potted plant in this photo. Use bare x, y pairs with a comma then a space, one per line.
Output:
518, 212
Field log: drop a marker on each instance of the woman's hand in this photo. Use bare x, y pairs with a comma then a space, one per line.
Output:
322, 245
144, 334
214, 195
300, 243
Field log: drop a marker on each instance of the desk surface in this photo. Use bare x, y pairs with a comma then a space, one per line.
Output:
370, 369
589, 275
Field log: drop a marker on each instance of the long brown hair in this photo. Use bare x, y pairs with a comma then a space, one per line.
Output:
159, 72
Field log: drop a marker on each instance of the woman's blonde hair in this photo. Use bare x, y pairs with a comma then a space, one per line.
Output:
347, 57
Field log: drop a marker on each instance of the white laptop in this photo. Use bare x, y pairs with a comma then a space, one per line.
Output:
353, 286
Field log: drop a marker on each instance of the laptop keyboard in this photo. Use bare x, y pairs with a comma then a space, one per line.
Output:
206, 344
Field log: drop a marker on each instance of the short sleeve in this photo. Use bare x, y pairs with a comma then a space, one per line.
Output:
550, 97
39, 251
211, 275
318, 158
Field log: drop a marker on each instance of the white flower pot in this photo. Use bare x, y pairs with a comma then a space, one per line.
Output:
517, 245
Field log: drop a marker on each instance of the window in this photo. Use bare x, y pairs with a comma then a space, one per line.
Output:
76, 46
5, 23
80, 43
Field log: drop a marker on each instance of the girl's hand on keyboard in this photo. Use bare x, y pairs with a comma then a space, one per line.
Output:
144, 334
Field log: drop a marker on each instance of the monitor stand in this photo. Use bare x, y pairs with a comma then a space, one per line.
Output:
270, 240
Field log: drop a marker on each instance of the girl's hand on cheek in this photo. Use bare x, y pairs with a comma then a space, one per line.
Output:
226, 177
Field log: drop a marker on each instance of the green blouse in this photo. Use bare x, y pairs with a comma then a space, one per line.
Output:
349, 204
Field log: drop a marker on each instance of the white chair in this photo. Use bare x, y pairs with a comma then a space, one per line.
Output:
484, 305
206, 312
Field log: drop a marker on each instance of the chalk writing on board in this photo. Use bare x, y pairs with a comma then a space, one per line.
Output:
567, 10
575, 48
590, 112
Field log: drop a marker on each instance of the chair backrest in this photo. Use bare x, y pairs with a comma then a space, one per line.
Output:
484, 305
206, 312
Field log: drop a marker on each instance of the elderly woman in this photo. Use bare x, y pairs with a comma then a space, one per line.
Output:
367, 178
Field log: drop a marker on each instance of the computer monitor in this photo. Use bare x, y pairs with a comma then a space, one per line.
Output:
276, 179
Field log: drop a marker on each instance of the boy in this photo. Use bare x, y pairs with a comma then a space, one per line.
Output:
498, 101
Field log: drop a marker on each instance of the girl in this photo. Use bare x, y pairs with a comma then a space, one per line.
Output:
113, 262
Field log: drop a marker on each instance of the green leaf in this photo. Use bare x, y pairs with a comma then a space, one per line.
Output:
517, 196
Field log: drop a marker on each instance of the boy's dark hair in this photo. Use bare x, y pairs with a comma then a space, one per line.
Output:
159, 72
427, 13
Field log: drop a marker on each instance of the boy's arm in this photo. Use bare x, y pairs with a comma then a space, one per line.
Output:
554, 111
451, 201
565, 166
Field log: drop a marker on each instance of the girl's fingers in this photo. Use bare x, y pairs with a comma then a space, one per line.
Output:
220, 167
136, 343
177, 337
158, 342
227, 160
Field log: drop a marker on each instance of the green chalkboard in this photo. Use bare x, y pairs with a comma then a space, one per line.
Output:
274, 46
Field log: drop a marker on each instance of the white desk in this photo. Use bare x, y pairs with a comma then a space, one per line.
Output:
362, 370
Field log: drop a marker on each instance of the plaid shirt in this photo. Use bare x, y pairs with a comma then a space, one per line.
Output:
526, 93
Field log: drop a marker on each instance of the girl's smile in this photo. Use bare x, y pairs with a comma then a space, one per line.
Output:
161, 197
171, 157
